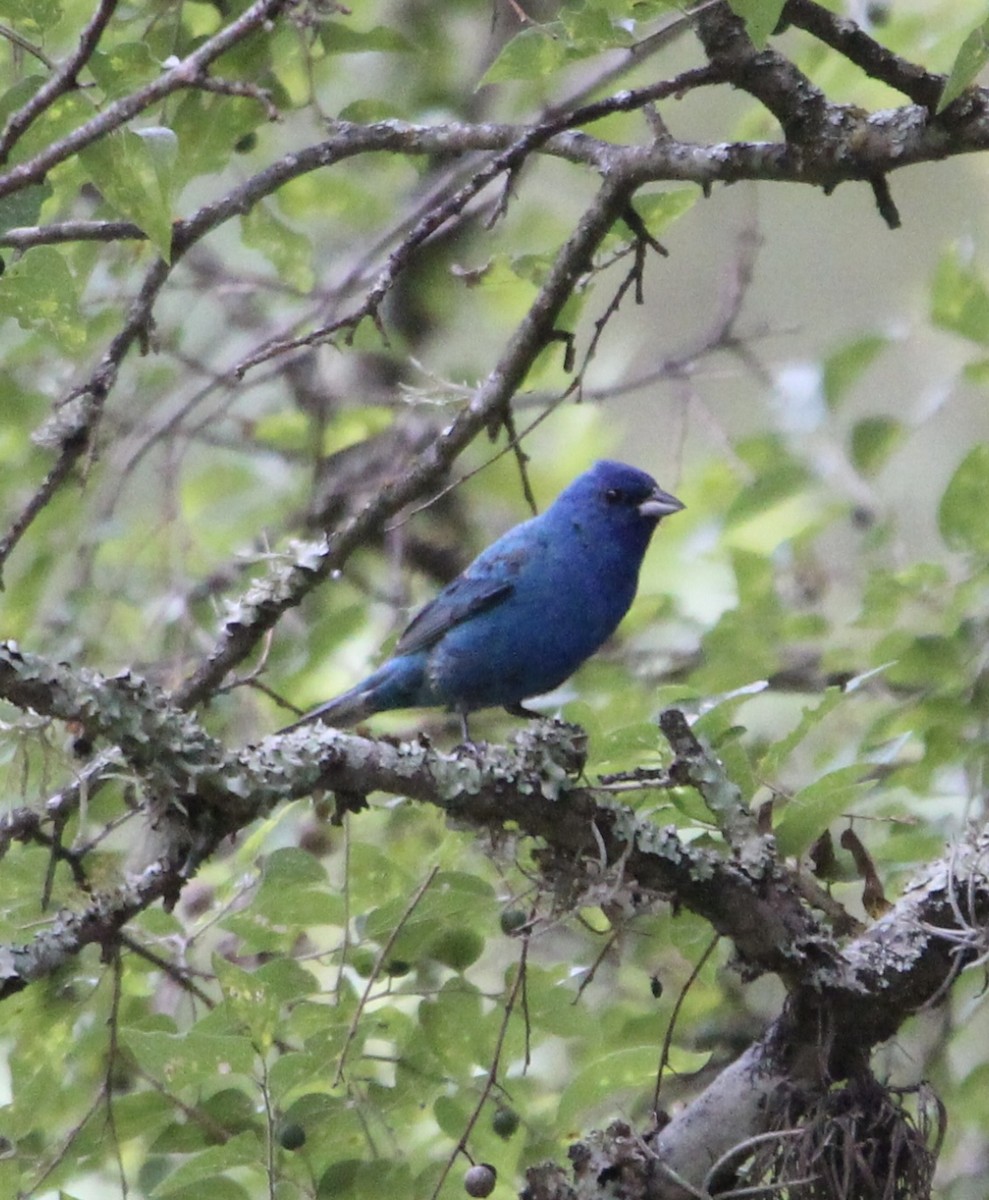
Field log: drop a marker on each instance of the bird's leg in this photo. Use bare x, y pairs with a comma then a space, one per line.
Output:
519, 710
464, 727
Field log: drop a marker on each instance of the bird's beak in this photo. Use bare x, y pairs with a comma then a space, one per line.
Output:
660, 504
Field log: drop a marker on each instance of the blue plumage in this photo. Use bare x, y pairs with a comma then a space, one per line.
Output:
527, 611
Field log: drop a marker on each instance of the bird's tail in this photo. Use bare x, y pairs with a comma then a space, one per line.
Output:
397, 684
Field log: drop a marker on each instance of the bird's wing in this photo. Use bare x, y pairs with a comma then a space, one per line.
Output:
464, 597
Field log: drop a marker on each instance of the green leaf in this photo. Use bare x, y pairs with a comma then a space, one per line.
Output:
963, 508
531, 54
296, 1070
200, 19
660, 209
23, 207
718, 729
249, 1001
873, 440
31, 16
369, 110
929, 661
39, 292
124, 68
134, 174
959, 299
180, 1060
241, 1150
777, 506
286, 980
760, 16
844, 367
140, 1114
589, 29
338, 38
633, 1067
289, 252
294, 891
977, 372
811, 716
454, 1027
451, 1116
550, 1003
972, 56
208, 128
457, 948
285, 429
353, 425
813, 808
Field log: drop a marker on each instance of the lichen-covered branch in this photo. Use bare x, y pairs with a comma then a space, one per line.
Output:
207, 792
824, 1035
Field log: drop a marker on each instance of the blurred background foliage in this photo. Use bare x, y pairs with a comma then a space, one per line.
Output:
811, 384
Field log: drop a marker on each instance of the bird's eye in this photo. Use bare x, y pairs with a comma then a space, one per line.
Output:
613, 496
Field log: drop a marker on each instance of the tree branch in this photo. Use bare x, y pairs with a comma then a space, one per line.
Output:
851, 41
63, 80
115, 115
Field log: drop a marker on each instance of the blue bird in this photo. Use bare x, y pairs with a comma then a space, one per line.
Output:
527, 611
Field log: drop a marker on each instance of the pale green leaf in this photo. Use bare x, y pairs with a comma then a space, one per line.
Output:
873, 440
124, 68
659, 210
340, 38
39, 292
248, 1000
285, 428
288, 251
845, 366
135, 180
209, 128
811, 716
959, 299
973, 54
179, 1060
808, 813
963, 508
353, 425
631, 1068
23, 207
760, 16
589, 29
531, 54
241, 1150
59, 119
31, 16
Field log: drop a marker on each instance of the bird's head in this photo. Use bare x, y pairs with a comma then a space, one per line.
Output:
622, 495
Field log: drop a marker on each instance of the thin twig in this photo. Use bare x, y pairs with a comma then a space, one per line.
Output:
237, 87
376, 970
17, 39
664, 1057
518, 986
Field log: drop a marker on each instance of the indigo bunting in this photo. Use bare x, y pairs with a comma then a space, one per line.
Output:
527, 611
